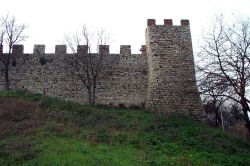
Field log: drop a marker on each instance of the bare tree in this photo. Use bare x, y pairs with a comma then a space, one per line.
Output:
87, 66
11, 33
226, 62
212, 93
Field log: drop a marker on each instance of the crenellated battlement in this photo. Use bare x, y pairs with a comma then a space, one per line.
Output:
160, 78
104, 49
184, 22
167, 22
60, 49
40, 49
82, 49
125, 49
17, 49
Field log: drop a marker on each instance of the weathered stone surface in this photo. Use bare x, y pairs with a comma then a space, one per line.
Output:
171, 76
162, 77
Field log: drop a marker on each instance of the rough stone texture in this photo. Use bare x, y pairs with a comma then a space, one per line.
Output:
162, 77
171, 77
123, 80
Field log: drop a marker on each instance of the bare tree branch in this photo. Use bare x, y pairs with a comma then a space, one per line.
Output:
226, 60
87, 67
11, 33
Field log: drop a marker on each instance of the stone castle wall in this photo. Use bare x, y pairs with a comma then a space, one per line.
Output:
162, 77
123, 80
171, 77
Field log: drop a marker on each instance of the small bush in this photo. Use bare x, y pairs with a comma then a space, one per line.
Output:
103, 136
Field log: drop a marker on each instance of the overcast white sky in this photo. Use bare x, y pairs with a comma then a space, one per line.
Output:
49, 20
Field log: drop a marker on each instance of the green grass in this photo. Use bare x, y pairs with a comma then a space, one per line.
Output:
73, 134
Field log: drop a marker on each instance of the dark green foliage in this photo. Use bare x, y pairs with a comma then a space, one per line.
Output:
73, 134
103, 136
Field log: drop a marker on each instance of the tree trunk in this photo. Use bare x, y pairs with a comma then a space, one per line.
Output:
248, 126
222, 121
245, 109
89, 95
6, 77
216, 118
94, 90
215, 109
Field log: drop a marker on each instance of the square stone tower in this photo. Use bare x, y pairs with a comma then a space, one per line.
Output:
171, 76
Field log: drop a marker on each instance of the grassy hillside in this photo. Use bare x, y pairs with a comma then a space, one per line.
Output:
41, 131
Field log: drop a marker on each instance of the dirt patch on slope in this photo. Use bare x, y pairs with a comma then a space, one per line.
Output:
18, 116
